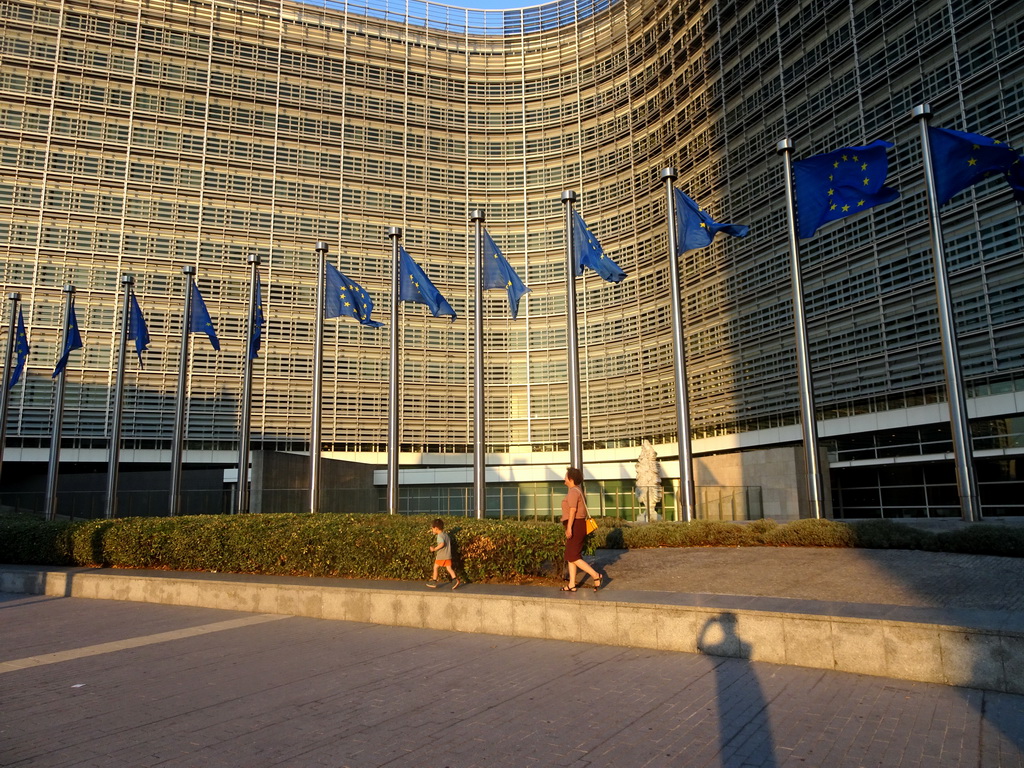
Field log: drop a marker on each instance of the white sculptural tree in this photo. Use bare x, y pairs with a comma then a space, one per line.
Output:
648, 482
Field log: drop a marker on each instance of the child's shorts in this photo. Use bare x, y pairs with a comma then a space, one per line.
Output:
443, 563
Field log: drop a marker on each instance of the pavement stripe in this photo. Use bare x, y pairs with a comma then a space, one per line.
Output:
134, 642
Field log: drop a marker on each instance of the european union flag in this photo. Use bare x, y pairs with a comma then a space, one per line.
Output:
20, 350
589, 252
257, 321
838, 184
346, 297
962, 159
137, 329
200, 322
695, 228
1015, 178
498, 273
414, 285
73, 340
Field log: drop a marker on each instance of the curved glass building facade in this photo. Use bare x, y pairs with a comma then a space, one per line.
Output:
140, 136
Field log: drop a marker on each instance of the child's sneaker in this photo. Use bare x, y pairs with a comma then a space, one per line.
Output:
432, 584
457, 584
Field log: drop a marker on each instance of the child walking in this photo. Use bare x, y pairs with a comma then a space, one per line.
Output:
442, 550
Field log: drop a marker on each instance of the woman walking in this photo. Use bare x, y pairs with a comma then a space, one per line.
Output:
574, 518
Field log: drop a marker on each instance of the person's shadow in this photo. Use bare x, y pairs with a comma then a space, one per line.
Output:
745, 734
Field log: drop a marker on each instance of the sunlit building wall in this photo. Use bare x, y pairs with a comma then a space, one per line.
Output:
138, 137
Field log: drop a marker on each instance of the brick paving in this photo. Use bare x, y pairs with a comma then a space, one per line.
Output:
889, 577
152, 685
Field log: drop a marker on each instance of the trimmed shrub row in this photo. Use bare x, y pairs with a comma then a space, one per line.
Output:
977, 539
707, 533
396, 547
357, 546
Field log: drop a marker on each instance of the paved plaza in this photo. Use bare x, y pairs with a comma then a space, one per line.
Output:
104, 683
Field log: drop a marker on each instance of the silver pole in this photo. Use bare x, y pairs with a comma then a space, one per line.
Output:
58, 413
572, 333
178, 439
318, 370
963, 447
395, 233
114, 452
479, 441
808, 412
12, 329
242, 495
686, 501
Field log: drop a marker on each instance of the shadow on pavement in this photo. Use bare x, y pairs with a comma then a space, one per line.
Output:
744, 728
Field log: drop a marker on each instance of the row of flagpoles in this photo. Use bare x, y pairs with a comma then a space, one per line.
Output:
819, 190
846, 181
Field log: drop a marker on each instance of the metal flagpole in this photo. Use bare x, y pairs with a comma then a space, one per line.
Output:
318, 369
479, 441
178, 439
58, 413
686, 500
963, 448
808, 412
395, 233
12, 330
242, 495
572, 333
114, 452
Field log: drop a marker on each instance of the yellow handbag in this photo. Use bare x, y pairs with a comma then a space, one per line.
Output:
591, 522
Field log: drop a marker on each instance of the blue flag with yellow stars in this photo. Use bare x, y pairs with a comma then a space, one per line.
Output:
414, 285
1015, 178
256, 340
695, 228
137, 329
21, 349
498, 273
346, 297
200, 321
72, 340
842, 183
589, 252
963, 159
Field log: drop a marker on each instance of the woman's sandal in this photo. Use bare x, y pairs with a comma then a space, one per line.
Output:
568, 589
598, 582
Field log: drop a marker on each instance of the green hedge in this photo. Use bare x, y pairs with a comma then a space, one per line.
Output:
977, 539
359, 546
710, 533
396, 547
31, 541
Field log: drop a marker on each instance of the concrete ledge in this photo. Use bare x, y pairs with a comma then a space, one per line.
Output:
988, 655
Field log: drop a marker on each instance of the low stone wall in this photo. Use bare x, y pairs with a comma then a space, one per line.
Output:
987, 658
